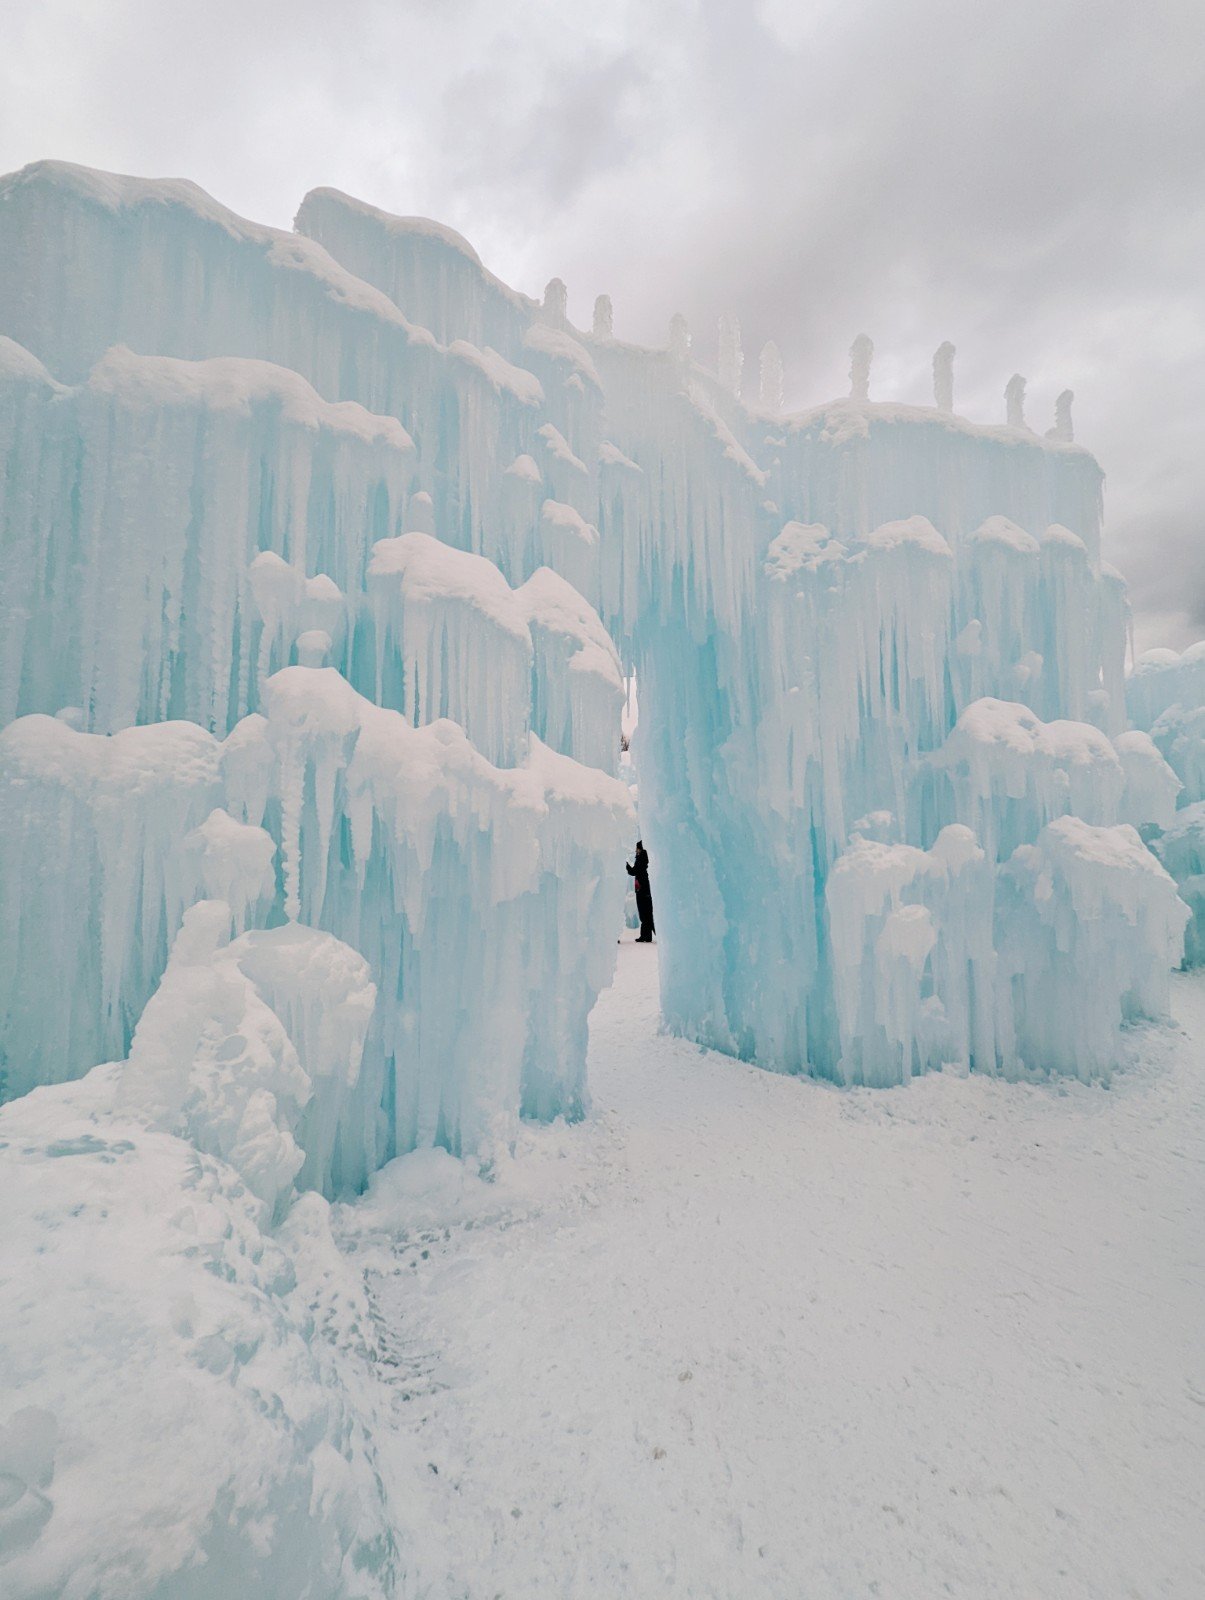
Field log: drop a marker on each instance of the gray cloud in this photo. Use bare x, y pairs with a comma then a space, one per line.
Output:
1025, 180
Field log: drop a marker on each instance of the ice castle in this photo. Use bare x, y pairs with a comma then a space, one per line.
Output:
326, 556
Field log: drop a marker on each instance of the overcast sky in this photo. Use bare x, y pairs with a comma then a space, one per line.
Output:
1023, 177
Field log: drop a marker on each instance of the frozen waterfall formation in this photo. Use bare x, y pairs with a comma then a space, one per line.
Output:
307, 538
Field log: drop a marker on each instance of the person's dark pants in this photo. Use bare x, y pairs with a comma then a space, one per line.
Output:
644, 909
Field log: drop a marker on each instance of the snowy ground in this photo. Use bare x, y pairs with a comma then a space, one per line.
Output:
742, 1336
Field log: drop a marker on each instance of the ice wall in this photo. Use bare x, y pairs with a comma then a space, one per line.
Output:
480, 897
182, 525
863, 625
134, 506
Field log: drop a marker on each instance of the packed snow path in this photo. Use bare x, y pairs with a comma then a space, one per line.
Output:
745, 1336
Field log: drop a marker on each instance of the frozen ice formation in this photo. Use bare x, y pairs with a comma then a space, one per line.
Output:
943, 377
406, 842
349, 563
326, 557
191, 1410
1166, 698
1181, 848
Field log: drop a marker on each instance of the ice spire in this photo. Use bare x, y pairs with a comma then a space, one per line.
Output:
731, 359
860, 354
603, 318
679, 338
1062, 417
556, 302
770, 378
1014, 401
943, 376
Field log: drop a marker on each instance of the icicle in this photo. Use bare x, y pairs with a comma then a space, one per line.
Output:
731, 359
603, 318
943, 377
861, 353
1014, 401
770, 382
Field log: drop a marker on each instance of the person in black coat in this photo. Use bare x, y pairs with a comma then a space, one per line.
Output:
639, 873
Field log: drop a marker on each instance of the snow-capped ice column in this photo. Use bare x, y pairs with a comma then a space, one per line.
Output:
1181, 849
1000, 645
901, 586
520, 499
1151, 787
1114, 621
861, 353
451, 641
95, 882
1179, 732
290, 606
232, 862
1063, 428
770, 378
577, 688
1088, 927
567, 448
1072, 641
913, 959
604, 318
730, 359
568, 544
489, 419
679, 338
1166, 694
555, 307
29, 455
1165, 678
567, 925
1014, 401
943, 377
